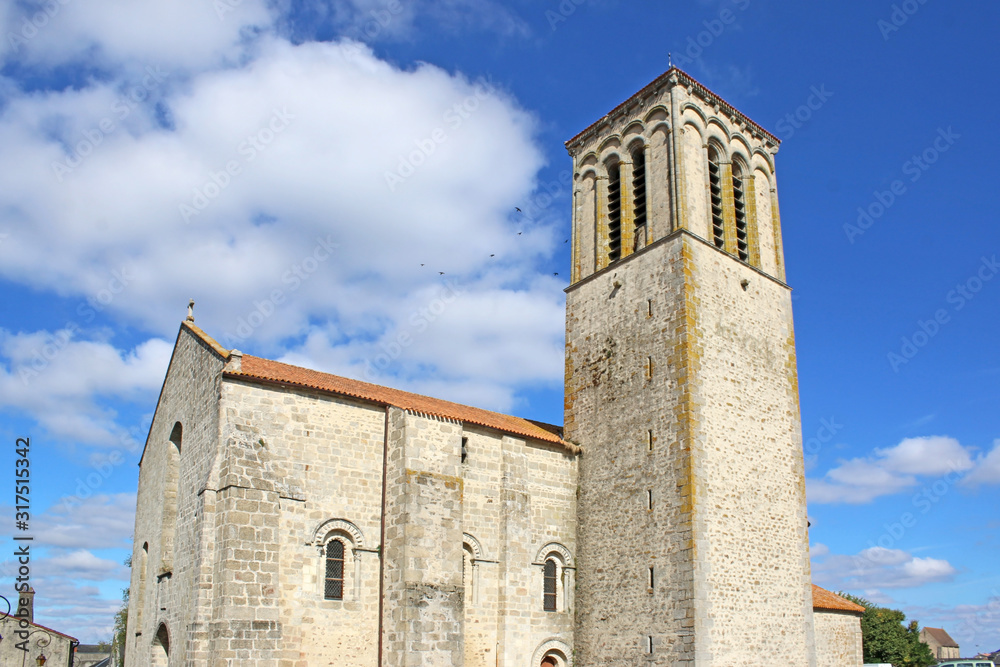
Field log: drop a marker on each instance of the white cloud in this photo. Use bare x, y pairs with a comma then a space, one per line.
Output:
890, 470
934, 455
308, 236
97, 522
371, 20
987, 468
178, 33
471, 344
79, 610
818, 550
878, 597
193, 35
84, 542
79, 564
880, 568
60, 381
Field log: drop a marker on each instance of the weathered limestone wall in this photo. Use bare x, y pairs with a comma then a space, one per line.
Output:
190, 397
244, 624
669, 343
35, 641
658, 177
614, 407
695, 175
753, 591
838, 639
323, 457
765, 223
425, 613
584, 217
535, 486
287, 469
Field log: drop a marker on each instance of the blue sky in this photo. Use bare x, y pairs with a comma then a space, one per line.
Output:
306, 171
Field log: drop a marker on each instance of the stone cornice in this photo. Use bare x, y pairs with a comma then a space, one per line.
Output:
672, 77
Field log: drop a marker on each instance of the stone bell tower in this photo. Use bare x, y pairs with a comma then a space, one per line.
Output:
681, 387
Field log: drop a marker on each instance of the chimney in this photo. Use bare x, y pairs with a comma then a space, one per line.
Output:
26, 605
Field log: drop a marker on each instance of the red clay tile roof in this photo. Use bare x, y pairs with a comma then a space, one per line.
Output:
205, 338
824, 599
272, 371
941, 637
690, 80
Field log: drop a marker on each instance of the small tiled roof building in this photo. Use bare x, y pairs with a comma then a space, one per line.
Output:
838, 629
942, 645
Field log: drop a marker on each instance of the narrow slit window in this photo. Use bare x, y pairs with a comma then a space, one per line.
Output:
715, 190
639, 194
649, 368
651, 579
649, 307
649, 499
334, 589
549, 595
649, 644
465, 450
649, 438
614, 212
739, 204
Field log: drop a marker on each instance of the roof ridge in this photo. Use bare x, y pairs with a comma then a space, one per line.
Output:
694, 83
55, 632
824, 599
269, 370
205, 338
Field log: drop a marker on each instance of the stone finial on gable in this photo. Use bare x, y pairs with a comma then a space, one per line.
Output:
190, 317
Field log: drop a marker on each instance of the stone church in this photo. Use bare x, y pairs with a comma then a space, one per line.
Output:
292, 518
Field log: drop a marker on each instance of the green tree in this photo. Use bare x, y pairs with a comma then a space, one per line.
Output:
118, 635
920, 652
886, 640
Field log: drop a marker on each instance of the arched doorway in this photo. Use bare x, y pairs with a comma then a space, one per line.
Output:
160, 654
553, 652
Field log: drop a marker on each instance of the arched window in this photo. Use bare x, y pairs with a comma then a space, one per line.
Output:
614, 211
171, 493
554, 581
160, 648
142, 565
639, 196
740, 207
334, 582
551, 581
468, 574
340, 549
715, 194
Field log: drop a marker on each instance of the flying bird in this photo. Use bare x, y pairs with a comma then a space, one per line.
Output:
517, 209
519, 233
440, 273
492, 255
566, 241
555, 274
